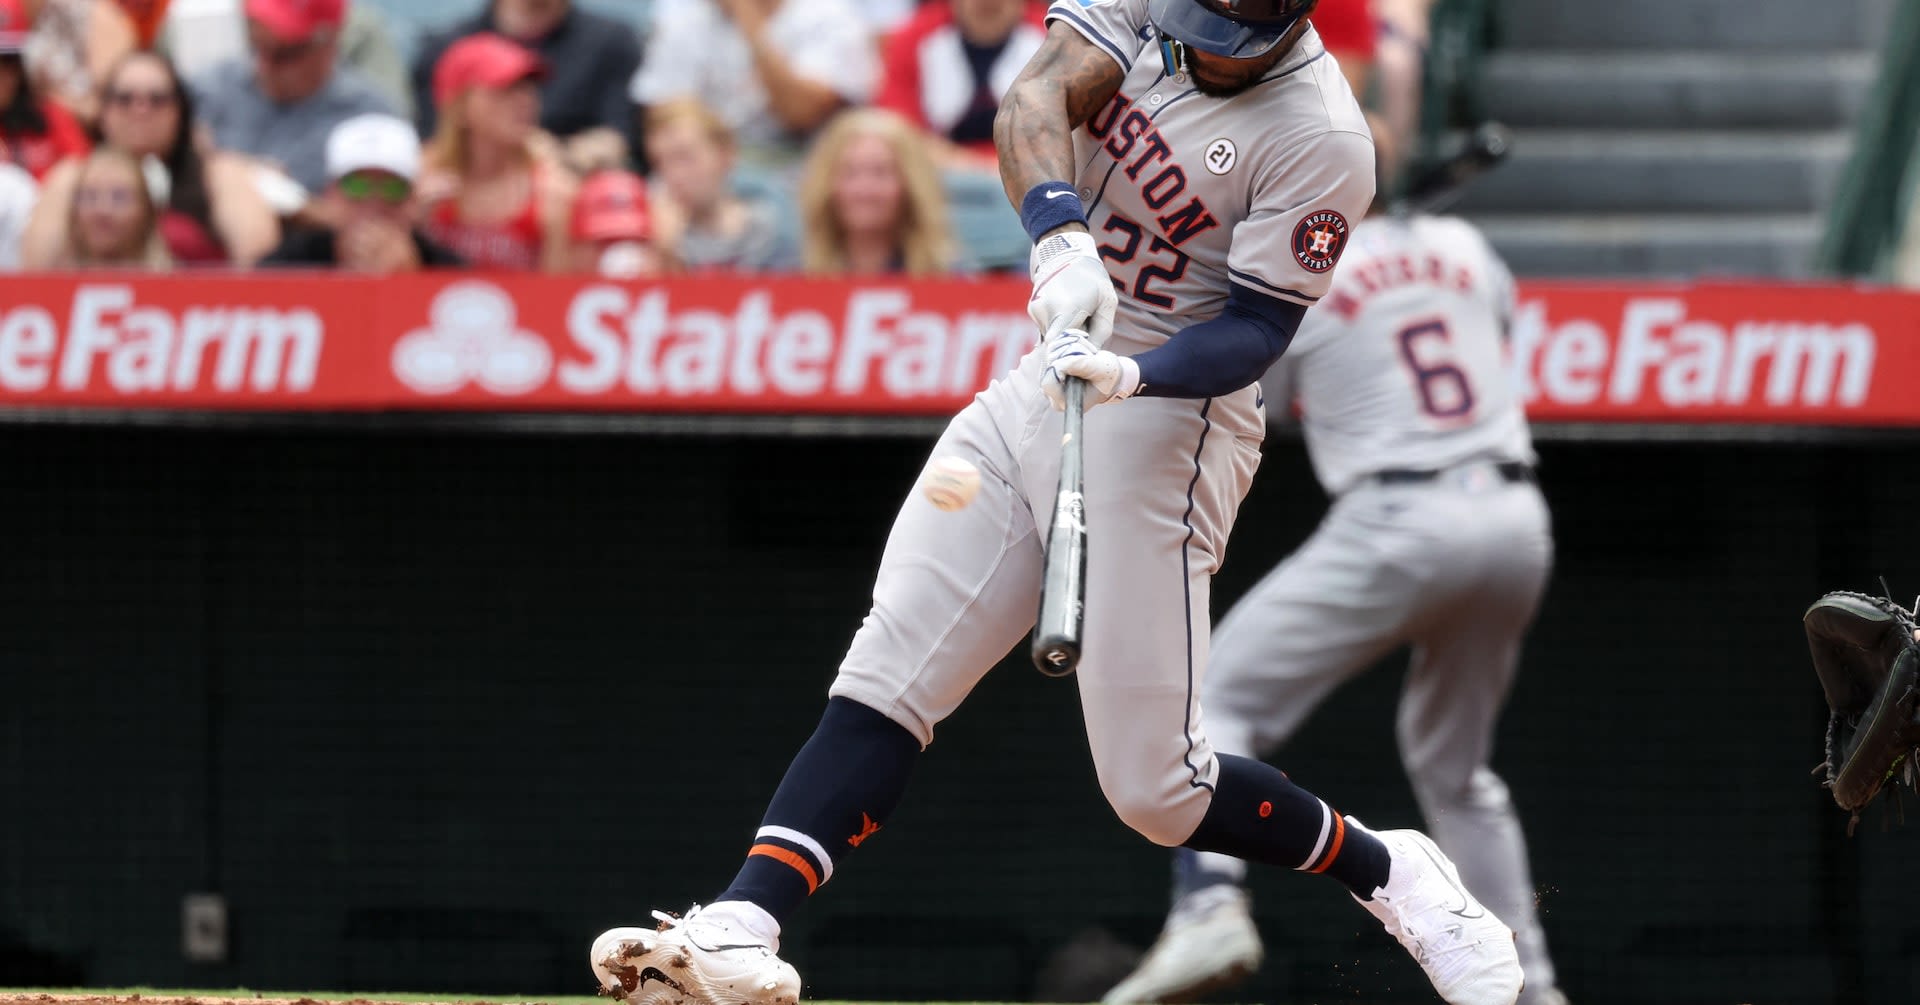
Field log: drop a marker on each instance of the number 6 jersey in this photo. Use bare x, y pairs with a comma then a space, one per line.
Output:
1186, 193
1404, 363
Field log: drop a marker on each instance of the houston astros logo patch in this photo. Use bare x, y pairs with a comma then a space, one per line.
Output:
1319, 239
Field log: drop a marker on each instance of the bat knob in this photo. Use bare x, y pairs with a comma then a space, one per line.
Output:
1493, 140
1056, 657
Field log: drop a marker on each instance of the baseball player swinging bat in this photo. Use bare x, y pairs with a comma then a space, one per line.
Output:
1063, 591
1190, 172
1056, 636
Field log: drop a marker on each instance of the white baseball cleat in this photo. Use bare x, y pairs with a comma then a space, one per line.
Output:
709, 957
1467, 953
1209, 943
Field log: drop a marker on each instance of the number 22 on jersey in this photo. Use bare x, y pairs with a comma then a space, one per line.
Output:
1164, 262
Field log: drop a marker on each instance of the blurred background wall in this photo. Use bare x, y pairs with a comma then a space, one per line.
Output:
431, 709
430, 704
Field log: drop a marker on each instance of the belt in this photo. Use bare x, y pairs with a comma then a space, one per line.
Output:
1510, 471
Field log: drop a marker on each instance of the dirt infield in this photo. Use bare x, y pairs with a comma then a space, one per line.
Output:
46, 998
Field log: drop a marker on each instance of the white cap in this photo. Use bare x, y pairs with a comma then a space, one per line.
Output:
373, 142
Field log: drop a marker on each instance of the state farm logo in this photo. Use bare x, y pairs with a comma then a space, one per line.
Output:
110, 340
473, 336
1659, 353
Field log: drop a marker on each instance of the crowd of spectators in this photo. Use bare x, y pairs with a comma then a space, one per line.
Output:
631, 139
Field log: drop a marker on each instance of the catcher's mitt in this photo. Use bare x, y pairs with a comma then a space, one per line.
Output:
1869, 666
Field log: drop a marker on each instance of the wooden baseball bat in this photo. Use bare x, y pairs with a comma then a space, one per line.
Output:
1063, 590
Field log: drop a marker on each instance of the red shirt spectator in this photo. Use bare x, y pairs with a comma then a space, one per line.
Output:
947, 68
512, 243
34, 134
145, 16
1348, 29
590, 58
1345, 26
497, 200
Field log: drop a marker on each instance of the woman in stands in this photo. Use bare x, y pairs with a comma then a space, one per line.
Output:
871, 202
703, 219
114, 222
213, 215
497, 193
34, 133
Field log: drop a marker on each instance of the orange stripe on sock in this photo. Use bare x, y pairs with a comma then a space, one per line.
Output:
792, 858
1333, 847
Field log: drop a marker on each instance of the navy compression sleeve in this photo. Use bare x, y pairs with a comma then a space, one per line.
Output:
1223, 354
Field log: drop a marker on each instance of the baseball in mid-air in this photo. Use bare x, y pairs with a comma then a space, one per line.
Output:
950, 483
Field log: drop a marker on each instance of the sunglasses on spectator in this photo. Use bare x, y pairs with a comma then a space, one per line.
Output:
141, 99
386, 188
104, 198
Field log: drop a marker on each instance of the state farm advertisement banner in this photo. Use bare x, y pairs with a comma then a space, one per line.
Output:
326, 342
1582, 352
1811, 355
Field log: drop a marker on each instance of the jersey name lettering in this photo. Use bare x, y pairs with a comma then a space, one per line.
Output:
1123, 127
1362, 280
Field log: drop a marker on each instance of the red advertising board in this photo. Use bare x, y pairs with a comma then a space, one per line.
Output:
1745, 353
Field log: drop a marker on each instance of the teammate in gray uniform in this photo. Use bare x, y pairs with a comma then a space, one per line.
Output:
1186, 169
1437, 538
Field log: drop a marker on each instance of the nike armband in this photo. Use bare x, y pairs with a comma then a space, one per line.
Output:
1048, 205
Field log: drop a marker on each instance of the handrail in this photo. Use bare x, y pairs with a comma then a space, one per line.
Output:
1451, 96
1872, 203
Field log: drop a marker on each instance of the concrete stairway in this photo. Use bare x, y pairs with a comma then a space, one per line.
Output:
1655, 138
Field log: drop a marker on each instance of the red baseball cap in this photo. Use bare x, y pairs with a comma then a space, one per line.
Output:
13, 26
612, 206
484, 60
296, 20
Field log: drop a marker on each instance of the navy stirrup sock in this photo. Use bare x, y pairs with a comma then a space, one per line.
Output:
840, 788
1259, 814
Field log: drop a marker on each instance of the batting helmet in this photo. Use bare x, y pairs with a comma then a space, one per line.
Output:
1239, 29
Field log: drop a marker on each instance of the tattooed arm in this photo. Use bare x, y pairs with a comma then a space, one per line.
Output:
1064, 83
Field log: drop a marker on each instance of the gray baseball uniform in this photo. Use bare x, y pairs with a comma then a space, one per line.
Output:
1186, 194
1437, 538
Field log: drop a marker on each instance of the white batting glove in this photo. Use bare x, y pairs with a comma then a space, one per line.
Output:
1071, 287
1109, 376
